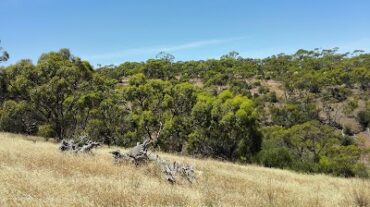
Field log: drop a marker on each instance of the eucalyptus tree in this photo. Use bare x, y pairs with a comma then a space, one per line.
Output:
55, 88
225, 126
4, 56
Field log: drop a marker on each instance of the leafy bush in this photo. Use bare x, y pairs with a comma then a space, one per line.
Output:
273, 98
342, 161
293, 113
46, 130
225, 126
364, 118
311, 147
17, 117
275, 157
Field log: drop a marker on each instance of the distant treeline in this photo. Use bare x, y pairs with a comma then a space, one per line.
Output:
216, 108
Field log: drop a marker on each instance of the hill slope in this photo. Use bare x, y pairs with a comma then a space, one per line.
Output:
34, 173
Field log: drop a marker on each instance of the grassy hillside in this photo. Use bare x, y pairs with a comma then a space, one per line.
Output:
35, 173
308, 111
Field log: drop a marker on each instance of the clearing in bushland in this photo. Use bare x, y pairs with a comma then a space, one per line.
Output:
35, 173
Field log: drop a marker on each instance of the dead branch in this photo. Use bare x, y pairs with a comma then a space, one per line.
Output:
140, 155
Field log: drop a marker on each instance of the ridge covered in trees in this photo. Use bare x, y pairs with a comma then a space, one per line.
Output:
308, 111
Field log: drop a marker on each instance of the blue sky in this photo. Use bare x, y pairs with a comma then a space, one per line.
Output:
114, 31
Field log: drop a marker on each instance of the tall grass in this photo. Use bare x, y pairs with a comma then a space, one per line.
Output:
35, 173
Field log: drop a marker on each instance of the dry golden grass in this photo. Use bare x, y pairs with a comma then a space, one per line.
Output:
37, 174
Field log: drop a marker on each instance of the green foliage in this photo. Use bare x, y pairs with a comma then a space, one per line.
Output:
4, 56
46, 130
293, 113
106, 122
3, 86
364, 117
17, 117
225, 126
159, 110
340, 93
199, 107
160, 68
54, 88
311, 147
350, 105
178, 122
342, 160
273, 98
165, 56
231, 55
11, 119
362, 76
278, 157
217, 79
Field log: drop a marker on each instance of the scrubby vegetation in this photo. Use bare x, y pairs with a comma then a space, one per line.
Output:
303, 111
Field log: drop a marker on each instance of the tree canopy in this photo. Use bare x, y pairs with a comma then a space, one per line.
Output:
301, 111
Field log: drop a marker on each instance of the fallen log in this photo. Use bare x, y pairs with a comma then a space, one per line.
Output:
84, 145
139, 155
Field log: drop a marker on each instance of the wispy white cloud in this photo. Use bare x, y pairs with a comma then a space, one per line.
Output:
156, 49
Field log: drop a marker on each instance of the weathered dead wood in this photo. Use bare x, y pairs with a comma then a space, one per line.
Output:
172, 169
83, 146
140, 155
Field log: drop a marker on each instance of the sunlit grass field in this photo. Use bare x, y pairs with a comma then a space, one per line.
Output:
35, 173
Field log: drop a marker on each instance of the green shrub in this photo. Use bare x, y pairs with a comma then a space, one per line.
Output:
263, 90
16, 117
257, 83
347, 140
364, 118
305, 165
46, 130
275, 157
343, 161
273, 97
292, 114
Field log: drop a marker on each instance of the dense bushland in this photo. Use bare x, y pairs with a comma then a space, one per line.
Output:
282, 111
